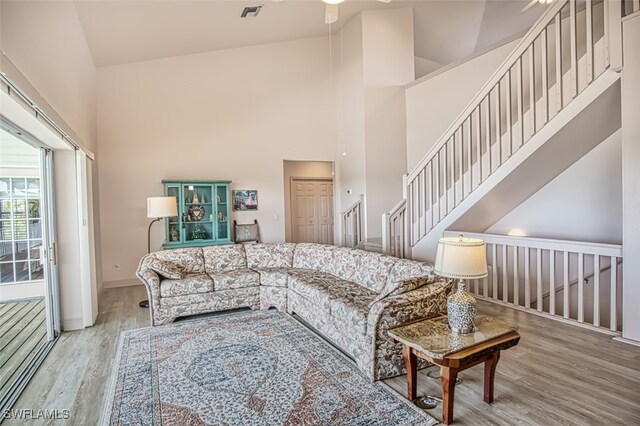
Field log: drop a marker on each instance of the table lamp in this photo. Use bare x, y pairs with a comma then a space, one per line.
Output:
461, 258
158, 208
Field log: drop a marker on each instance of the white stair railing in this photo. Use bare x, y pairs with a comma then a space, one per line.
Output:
352, 229
538, 79
575, 282
394, 231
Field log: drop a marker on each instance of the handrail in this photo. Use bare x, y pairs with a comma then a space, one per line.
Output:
352, 224
519, 50
401, 204
353, 207
512, 107
395, 231
545, 243
585, 279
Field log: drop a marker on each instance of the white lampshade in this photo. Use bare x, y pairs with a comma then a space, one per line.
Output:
463, 258
162, 207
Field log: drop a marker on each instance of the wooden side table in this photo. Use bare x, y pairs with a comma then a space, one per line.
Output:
432, 340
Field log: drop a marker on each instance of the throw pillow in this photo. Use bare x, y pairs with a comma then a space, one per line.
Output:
166, 269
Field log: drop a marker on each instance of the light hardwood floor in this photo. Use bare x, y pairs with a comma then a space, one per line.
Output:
558, 374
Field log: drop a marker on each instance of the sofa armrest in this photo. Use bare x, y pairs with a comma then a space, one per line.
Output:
151, 281
396, 310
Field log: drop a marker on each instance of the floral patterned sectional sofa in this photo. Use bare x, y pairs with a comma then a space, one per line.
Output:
350, 296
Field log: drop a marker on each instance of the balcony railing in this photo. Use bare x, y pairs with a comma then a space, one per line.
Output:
576, 282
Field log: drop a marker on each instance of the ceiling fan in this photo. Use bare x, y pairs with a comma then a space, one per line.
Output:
332, 10
535, 2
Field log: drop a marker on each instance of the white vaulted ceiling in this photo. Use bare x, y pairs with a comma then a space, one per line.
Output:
120, 32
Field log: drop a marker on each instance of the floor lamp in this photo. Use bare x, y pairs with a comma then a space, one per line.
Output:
157, 209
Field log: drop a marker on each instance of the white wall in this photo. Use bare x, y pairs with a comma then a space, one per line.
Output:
373, 61
425, 66
631, 177
584, 203
348, 79
388, 67
301, 169
433, 103
45, 41
49, 56
233, 114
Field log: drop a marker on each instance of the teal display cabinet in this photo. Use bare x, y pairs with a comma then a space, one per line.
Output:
203, 213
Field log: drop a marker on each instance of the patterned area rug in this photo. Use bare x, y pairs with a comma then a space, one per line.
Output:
247, 368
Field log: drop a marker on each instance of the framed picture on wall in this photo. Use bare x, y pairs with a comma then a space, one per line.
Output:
245, 200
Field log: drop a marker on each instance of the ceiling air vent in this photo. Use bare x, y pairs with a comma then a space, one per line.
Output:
251, 11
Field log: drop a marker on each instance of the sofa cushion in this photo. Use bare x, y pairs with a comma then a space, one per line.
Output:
406, 275
279, 255
237, 278
314, 286
314, 256
165, 269
213, 301
307, 274
366, 268
190, 284
273, 277
224, 258
350, 308
191, 260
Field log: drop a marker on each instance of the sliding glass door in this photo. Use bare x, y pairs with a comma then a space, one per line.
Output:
29, 307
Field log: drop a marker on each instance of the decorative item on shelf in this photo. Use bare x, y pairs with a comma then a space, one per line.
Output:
199, 233
461, 258
195, 199
220, 217
174, 235
196, 213
219, 199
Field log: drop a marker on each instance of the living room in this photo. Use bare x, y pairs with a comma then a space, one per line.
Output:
373, 98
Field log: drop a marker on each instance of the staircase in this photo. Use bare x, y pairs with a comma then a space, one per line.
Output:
531, 112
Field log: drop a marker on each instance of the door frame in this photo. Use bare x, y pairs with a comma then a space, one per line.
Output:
314, 179
48, 221
49, 240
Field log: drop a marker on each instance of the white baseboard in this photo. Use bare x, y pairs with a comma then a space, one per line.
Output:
121, 283
628, 341
72, 324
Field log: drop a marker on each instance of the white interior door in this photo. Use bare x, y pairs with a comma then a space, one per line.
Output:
324, 195
312, 210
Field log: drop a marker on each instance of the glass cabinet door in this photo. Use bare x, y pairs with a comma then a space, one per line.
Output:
174, 224
222, 208
198, 214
